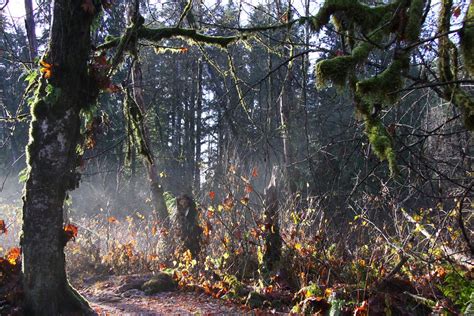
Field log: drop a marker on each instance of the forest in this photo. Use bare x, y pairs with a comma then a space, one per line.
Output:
237, 157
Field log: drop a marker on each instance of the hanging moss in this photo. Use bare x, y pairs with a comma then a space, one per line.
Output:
134, 118
334, 70
337, 69
467, 39
381, 142
382, 88
415, 17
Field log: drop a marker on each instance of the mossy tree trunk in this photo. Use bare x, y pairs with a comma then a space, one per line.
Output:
52, 159
187, 228
272, 239
157, 192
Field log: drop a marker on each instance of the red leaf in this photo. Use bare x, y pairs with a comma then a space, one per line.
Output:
457, 11
254, 172
71, 231
3, 227
248, 188
362, 310
212, 195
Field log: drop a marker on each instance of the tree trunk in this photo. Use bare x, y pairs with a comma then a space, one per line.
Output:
52, 160
187, 227
157, 193
272, 238
197, 161
31, 30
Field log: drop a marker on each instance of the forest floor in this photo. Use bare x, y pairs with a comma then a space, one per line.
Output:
115, 295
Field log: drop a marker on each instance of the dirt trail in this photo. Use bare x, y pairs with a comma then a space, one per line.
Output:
111, 297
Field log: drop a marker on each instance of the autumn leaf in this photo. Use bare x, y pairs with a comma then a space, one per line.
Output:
228, 202
13, 255
71, 231
112, 219
154, 229
362, 310
112, 88
212, 195
248, 188
457, 11
88, 6
207, 229
183, 50
46, 69
254, 172
244, 200
3, 227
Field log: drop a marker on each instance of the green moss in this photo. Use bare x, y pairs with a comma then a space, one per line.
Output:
467, 40
381, 142
255, 300
382, 88
334, 70
337, 69
368, 18
162, 282
466, 102
415, 17
156, 35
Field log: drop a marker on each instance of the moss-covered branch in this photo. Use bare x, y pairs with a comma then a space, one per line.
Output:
355, 12
400, 23
467, 39
453, 92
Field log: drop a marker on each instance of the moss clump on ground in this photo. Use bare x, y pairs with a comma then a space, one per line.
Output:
162, 282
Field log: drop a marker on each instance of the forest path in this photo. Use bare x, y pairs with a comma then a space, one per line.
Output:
111, 297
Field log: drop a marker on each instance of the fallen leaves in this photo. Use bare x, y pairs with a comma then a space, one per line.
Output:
212, 195
13, 256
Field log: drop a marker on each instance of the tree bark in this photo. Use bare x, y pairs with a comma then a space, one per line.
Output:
272, 238
157, 193
197, 161
52, 160
31, 29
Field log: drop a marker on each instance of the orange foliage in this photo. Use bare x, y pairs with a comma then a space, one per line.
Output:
13, 255
46, 69
71, 231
